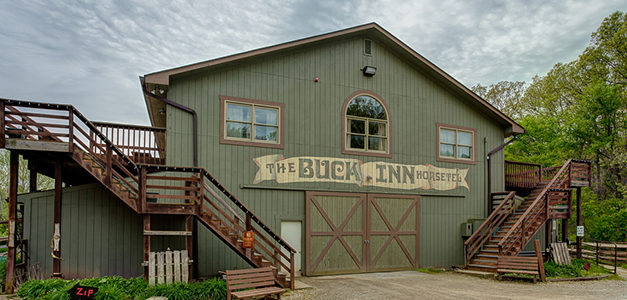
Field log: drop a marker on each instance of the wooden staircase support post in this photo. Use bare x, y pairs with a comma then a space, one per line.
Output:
146, 245
141, 188
189, 244
32, 177
56, 238
10, 268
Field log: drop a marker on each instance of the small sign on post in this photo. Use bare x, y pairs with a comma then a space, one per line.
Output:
248, 239
82, 292
580, 231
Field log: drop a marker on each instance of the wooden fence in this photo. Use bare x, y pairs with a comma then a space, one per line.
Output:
604, 253
168, 267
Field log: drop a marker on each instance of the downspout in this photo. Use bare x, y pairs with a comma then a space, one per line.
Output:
489, 157
181, 107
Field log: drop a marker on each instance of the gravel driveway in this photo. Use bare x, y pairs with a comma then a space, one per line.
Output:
449, 285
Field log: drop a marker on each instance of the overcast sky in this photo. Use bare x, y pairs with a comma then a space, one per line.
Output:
90, 53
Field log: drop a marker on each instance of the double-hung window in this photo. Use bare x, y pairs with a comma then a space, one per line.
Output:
456, 144
251, 122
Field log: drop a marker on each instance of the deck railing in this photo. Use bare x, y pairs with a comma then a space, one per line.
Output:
143, 144
522, 175
527, 176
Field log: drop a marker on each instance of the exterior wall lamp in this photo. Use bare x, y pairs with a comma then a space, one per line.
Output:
369, 71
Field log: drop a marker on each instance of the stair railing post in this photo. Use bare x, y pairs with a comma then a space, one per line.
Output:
108, 166
539, 173
597, 253
570, 166
292, 270
249, 227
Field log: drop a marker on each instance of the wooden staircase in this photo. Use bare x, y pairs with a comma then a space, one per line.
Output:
512, 224
45, 132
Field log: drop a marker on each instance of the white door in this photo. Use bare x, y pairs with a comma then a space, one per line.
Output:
291, 233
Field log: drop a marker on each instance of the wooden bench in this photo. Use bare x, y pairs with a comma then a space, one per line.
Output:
251, 283
518, 264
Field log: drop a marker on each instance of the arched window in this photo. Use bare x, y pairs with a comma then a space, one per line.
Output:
366, 125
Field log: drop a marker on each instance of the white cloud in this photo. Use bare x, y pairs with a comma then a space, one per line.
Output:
91, 54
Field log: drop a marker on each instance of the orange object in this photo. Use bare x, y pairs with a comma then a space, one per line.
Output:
248, 240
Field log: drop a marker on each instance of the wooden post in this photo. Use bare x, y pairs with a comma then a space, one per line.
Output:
292, 270
536, 246
10, 268
108, 165
56, 238
564, 230
249, 227
547, 233
142, 189
579, 222
615, 258
189, 243
146, 245
32, 177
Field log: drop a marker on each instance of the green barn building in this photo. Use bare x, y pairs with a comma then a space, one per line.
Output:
344, 152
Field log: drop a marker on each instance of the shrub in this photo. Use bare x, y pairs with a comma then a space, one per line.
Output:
115, 287
577, 269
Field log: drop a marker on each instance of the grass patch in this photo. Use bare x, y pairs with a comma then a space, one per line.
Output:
115, 287
431, 270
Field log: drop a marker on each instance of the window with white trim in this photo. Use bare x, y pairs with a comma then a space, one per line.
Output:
366, 127
251, 122
455, 143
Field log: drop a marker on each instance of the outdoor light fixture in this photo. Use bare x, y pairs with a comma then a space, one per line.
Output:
369, 70
162, 111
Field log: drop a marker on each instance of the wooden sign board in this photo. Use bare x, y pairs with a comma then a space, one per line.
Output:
248, 239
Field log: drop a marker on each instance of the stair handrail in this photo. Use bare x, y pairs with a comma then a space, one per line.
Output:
538, 199
225, 192
471, 245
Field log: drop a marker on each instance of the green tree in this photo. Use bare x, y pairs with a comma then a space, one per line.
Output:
43, 183
504, 95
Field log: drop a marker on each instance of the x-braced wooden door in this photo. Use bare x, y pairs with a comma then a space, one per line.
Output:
392, 237
353, 233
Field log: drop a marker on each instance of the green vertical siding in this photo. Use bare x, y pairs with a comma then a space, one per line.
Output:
313, 127
100, 235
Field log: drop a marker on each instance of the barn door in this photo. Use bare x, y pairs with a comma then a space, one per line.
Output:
392, 235
335, 233
354, 233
